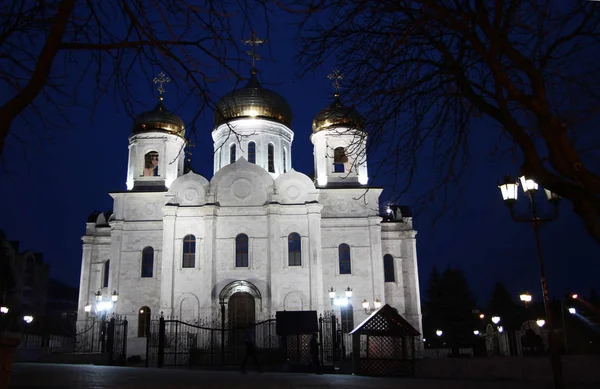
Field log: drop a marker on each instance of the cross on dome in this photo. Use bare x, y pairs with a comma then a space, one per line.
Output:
253, 42
336, 76
160, 80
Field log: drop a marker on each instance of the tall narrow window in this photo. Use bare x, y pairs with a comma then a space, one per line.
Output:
339, 160
218, 158
347, 316
271, 152
143, 322
252, 152
106, 274
344, 257
232, 154
388, 268
189, 251
294, 250
284, 160
147, 262
241, 250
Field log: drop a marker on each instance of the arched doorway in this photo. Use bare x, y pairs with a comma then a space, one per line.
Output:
241, 310
240, 316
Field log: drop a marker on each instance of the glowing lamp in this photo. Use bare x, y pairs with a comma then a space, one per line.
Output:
3, 309
88, 308
377, 304
525, 297
439, 332
508, 190
115, 296
348, 292
574, 296
98, 296
495, 319
540, 322
481, 315
475, 332
572, 311
331, 293
27, 319
500, 329
365, 304
528, 185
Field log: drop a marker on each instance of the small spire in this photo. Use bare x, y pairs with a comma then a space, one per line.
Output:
160, 80
336, 76
253, 42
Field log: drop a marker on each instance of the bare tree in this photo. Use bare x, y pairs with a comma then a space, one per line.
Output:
430, 74
53, 51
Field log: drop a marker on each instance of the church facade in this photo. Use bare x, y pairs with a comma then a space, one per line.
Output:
258, 237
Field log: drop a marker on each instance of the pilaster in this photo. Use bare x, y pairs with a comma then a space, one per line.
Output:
315, 258
168, 261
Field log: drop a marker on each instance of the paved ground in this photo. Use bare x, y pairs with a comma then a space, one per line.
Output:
27, 376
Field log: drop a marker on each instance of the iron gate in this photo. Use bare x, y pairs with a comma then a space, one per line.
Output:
176, 343
104, 336
330, 340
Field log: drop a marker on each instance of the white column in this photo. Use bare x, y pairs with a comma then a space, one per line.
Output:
413, 296
167, 261
377, 278
315, 258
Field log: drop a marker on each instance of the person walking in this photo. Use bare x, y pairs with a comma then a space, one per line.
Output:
250, 351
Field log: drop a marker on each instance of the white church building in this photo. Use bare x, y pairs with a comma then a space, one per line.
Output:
258, 237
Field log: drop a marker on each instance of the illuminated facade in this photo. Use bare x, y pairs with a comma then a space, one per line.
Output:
258, 236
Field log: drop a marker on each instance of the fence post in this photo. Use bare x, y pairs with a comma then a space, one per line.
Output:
161, 342
124, 351
334, 341
321, 341
110, 339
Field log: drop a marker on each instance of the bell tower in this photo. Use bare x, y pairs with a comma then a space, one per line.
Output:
340, 143
156, 147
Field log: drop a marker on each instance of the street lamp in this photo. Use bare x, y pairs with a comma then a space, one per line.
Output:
540, 322
340, 301
115, 296
439, 332
88, 308
4, 310
476, 332
367, 306
28, 319
495, 319
572, 311
500, 329
98, 296
509, 195
525, 297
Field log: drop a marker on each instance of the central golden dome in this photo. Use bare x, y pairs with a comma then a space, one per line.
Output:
253, 101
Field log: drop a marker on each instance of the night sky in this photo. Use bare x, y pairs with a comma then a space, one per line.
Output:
49, 190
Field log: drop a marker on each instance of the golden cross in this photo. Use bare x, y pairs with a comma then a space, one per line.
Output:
336, 76
160, 80
253, 41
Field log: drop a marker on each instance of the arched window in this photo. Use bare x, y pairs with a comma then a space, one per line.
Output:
347, 316
147, 261
241, 250
252, 152
189, 251
344, 257
388, 268
294, 250
218, 158
151, 164
143, 322
106, 274
339, 160
232, 153
284, 160
271, 155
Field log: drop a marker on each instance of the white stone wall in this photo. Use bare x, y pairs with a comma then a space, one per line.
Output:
262, 133
244, 198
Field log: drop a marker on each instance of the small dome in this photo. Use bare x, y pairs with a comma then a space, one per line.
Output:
253, 101
338, 115
159, 119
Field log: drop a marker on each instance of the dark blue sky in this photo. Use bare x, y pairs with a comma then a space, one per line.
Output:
48, 192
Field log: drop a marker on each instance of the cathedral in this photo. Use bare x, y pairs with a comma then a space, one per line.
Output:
258, 237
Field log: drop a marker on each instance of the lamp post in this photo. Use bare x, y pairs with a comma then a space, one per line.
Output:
509, 195
367, 306
343, 300
574, 296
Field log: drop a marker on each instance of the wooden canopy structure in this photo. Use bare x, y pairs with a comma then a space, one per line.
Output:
384, 345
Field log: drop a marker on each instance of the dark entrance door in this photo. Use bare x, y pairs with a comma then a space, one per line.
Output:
241, 316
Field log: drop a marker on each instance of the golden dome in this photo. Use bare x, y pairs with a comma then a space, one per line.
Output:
338, 115
253, 101
159, 119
